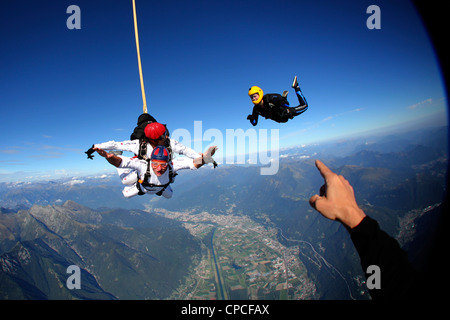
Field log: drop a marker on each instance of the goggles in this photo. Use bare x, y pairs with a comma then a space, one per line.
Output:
155, 164
254, 96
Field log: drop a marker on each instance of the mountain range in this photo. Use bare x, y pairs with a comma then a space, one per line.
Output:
399, 180
122, 254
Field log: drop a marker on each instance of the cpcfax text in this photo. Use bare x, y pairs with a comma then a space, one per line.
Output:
250, 309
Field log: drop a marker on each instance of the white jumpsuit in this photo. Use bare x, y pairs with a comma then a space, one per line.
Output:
140, 167
127, 176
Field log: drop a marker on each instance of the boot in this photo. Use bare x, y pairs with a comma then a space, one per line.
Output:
295, 84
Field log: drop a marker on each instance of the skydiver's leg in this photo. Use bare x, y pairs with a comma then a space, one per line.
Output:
300, 109
167, 193
303, 106
128, 176
130, 191
285, 114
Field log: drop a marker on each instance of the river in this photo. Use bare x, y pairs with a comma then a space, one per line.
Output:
216, 265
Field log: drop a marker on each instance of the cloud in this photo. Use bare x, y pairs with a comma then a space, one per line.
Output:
11, 162
321, 122
47, 155
10, 151
420, 104
74, 181
341, 114
46, 152
50, 147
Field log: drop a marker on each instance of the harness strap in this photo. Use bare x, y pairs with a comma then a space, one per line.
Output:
142, 149
144, 183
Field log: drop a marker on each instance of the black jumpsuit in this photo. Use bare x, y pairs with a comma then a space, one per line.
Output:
276, 107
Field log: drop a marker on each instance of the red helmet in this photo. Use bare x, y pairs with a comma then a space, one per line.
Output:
155, 131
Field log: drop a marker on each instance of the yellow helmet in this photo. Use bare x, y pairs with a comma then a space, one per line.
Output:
257, 90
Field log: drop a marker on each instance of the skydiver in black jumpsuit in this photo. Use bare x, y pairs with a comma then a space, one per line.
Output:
275, 106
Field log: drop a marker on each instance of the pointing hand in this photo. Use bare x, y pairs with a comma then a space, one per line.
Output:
337, 199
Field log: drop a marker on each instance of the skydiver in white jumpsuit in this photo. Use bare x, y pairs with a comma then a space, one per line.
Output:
154, 176
156, 134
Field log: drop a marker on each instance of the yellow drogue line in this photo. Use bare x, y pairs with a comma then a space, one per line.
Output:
139, 58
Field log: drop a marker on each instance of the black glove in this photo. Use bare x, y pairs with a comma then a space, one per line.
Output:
90, 152
252, 119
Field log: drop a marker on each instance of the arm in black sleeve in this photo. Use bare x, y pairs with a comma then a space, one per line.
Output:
253, 117
376, 247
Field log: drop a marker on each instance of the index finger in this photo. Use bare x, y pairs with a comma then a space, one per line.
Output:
323, 169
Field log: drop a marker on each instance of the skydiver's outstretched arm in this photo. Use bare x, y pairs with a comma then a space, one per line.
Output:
253, 117
180, 148
206, 158
110, 157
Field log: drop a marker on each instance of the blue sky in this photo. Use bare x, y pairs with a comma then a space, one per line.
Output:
62, 90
